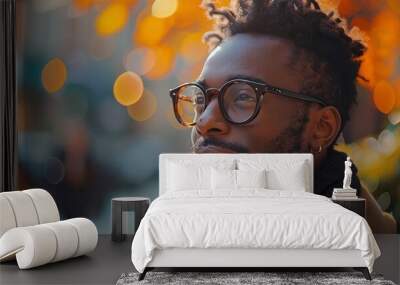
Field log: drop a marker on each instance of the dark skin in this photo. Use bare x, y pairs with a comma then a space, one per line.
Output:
270, 59
277, 112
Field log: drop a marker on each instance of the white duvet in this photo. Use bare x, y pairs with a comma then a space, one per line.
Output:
250, 218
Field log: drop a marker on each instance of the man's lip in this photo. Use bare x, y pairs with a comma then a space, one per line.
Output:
213, 149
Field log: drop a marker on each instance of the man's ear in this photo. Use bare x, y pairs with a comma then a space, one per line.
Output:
327, 126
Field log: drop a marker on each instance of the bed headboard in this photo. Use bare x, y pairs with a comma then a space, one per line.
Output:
306, 157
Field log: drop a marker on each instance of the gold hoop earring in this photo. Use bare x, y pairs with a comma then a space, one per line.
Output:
319, 149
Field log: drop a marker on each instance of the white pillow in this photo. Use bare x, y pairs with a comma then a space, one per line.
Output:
183, 177
281, 175
293, 179
251, 178
228, 179
193, 175
223, 179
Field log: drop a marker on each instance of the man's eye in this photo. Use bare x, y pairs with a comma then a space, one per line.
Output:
198, 100
243, 97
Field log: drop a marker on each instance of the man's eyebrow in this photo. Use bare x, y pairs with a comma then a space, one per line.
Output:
247, 77
202, 82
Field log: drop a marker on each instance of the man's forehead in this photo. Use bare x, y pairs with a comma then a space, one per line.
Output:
262, 57
232, 76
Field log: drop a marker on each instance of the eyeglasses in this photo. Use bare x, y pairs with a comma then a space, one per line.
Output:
239, 100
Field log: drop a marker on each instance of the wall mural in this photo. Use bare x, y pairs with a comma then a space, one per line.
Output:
94, 111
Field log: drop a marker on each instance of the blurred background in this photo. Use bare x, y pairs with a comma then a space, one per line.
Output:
94, 111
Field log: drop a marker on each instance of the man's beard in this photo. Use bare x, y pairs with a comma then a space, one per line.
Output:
288, 141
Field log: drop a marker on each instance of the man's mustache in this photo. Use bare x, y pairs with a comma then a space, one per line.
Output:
199, 143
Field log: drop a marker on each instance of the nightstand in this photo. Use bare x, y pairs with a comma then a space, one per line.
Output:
139, 205
357, 205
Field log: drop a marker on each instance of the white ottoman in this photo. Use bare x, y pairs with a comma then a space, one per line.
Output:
31, 232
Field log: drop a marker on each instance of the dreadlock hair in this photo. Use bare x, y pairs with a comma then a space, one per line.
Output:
331, 57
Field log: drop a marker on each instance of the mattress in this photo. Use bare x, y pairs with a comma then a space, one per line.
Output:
250, 218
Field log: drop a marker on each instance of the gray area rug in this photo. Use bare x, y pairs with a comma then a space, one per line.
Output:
229, 278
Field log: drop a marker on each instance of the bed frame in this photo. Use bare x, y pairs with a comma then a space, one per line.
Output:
242, 259
249, 259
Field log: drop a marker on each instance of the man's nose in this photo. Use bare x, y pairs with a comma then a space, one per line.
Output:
211, 121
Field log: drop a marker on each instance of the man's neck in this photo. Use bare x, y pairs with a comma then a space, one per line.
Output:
319, 158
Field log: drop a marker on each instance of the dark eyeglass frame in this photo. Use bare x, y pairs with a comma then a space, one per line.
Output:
260, 89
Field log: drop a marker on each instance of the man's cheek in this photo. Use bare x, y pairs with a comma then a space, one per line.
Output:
263, 127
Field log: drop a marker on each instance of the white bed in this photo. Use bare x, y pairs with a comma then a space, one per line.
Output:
250, 227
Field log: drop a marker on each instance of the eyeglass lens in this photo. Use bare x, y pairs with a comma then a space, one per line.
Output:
239, 102
190, 103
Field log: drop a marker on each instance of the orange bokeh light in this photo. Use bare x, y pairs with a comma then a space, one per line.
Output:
191, 49
384, 68
54, 75
222, 3
394, 5
180, 34
128, 88
112, 19
329, 5
385, 31
384, 97
83, 5
396, 85
140, 60
164, 63
347, 8
362, 23
129, 3
150, 30
164, 8
143, 109
184, 16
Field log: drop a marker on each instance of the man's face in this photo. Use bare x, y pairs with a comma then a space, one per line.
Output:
280, 126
